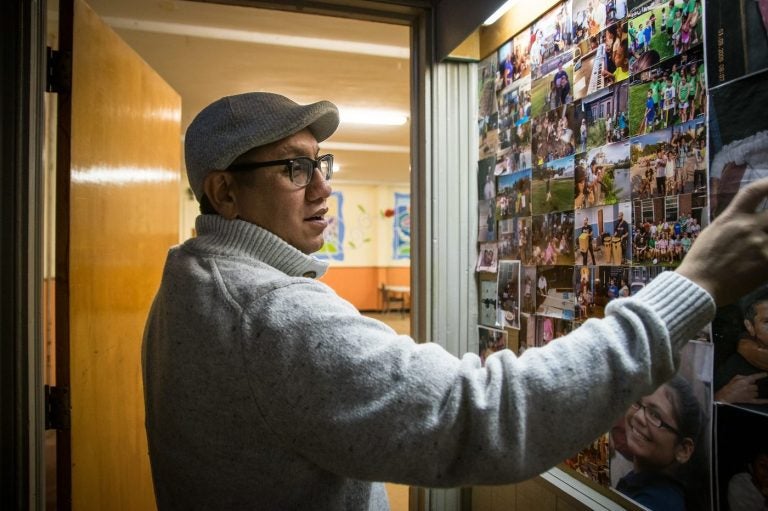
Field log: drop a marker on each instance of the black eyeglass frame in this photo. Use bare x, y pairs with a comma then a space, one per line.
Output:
654, 419
290, 165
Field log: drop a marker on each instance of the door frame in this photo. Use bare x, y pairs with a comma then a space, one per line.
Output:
23, 62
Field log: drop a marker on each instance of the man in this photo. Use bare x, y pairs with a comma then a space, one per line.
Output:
622, 230
584, 235
265, 390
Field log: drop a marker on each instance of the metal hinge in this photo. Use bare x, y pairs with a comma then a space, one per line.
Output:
59, 71
57, 408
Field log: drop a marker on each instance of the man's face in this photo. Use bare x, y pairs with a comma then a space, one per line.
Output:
270, 200
758, 327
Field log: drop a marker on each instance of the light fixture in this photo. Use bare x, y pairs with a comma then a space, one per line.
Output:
372, 116
501, 11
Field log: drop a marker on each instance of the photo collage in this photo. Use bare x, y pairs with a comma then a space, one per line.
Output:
602, 155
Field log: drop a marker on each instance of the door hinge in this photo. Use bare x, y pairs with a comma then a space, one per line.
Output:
59, 70
57, 408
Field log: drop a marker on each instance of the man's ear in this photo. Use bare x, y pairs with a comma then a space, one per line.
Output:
750, 327
684, 450
218, 186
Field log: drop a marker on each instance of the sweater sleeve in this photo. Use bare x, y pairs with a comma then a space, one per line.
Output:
350, 395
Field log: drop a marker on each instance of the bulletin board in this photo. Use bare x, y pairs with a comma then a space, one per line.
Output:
610, 133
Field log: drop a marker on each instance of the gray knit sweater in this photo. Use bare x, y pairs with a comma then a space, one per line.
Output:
265, 390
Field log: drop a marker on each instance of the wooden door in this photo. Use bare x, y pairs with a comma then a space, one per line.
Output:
117, 215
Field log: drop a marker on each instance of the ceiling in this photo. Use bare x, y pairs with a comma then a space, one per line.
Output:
206, 51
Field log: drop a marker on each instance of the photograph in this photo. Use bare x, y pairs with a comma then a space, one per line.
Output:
554, 292
602, 118
741, 450
488, 314
514, 61
491, 340
738, 145
508, 293
553, 89
740, 334
550, 38
601, 61
486, 216
552, 186
552, 136
486, 181
602, 176
513, 198
602, 235
552, 240
487, 258
590, 17
670, 161
662, 454
528, 291
549, 328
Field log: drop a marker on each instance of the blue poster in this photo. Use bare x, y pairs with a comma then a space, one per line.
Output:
401, 239
333, 248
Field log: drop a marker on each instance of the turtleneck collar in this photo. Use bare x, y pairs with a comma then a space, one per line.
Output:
217, 235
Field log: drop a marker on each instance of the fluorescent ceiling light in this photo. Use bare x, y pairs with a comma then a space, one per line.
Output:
372, 116
501, 11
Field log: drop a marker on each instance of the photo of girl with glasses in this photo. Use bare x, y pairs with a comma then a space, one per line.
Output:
660, 436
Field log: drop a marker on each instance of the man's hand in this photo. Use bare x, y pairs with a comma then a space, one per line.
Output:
730, 256
754, 354
742, 389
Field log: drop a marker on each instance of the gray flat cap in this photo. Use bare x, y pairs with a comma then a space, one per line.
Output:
233, 125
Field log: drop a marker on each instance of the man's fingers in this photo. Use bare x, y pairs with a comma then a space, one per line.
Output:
752, 378
749, 197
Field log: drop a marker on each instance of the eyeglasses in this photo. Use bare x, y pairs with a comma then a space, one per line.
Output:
653, 417
301, 168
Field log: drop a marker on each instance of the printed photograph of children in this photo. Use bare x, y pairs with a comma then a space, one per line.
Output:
663, 235
552, 136
590, 17
552, 186
488, 314
528, 278
514, 152
740, 333
669, 162
599, 235
664, 30
738, 143
592, 462
486, 216
513, 198
741, 450
514, 62
554, 295
549, 328
585, 279
660, 456
550, 38
491, 340
601, 61
552, 241
508, 292
672, 93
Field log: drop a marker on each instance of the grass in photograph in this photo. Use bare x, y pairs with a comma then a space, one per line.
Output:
562, 196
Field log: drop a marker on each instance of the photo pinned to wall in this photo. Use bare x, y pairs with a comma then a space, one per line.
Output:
527, 333
602, 117
487, 259
661, 30
606, 175
514, 62
738, 44
552, 90
552, 136
590, 17
552, 240
741, 450
508, 292
740, 333
549, 328
486, 220
528, 289
333, 235
514, 151
401, 230
670, 162
551, 37
514, 195
738, 138
593, 461
488, 306
671, 93
508, 243
486, 181
488, 114
662, 445
554, 296
601, 61
602, 235
553, 186
525, 239
491, 341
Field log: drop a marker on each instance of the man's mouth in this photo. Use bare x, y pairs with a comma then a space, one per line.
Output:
318, 216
